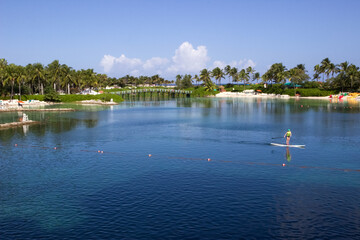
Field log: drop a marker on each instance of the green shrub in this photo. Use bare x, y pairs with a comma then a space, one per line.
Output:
309, 92
26, 97
32, 97
201, 92
102, 97
51, 95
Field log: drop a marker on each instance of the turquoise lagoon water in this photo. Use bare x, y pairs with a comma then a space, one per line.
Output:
212, 173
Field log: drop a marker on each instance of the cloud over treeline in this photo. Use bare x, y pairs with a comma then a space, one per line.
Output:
186, 60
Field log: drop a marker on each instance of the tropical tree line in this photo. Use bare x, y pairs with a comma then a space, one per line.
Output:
35, 78
342, 77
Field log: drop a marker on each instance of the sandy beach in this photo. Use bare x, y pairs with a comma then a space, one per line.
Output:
96, 102
249, 95
335, 98
262, 95
29, 105
36, 105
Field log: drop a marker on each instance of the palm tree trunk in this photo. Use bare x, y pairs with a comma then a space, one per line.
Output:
12, 89
20, 90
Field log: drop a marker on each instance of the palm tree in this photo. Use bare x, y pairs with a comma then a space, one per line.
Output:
325, 65
227, 70
53, 71
316, 76
301, 67
297, 76
353, 73
39, 76
178, 80
67, 77
265, 78
88, 78
218, 74
3, 64
244, 76
196, 78
256, 76
333, 68
233, 74
205, 78
317, 71
250, 71
276, 73
11, 76
21, 77
343, 70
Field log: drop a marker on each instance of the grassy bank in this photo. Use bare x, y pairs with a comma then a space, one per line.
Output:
131, 88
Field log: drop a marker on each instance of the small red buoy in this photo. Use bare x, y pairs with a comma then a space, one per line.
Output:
55, 148
149, 155
15, 144
209, 159
98, 151
283, 164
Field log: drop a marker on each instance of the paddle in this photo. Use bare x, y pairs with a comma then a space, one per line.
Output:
276, 137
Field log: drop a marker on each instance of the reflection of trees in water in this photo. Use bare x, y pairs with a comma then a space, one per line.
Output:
54, 123
195, 103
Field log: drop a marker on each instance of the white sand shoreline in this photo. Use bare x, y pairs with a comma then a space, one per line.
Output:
263, 95
96, 102
36, 105
335, 98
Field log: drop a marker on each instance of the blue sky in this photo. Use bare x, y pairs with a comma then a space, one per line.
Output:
169, 37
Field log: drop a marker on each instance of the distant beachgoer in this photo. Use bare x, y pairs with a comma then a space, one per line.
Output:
288, 136
19, 104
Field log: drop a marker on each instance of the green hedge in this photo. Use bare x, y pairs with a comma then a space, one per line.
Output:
309, 92
27, 97
78, 97
131, 88
304, 92
200, 92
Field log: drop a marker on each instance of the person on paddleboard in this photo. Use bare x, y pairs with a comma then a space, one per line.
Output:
288, 136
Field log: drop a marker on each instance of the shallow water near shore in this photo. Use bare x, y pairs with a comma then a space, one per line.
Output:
183, 169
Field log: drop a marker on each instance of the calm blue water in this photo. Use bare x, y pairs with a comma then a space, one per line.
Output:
212, 173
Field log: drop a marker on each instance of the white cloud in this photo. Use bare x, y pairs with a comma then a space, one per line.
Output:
123, 64
187, 60
219, 64
155, 65
238, 64
107, 62
249, 63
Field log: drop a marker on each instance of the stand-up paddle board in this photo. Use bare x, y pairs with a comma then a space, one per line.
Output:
284, 145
